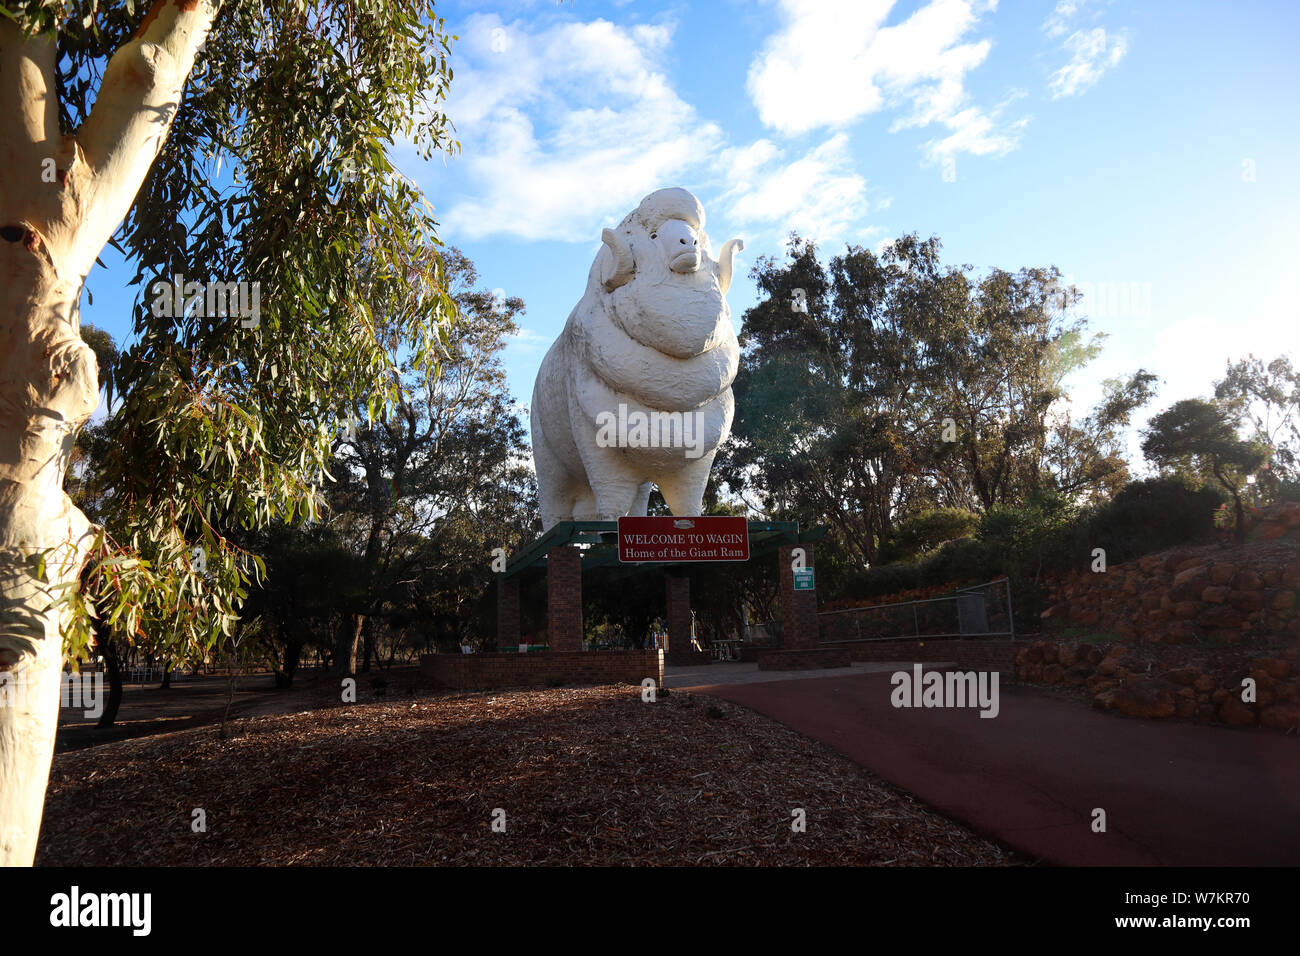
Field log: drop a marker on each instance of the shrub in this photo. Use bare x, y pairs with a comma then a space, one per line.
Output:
923, 533
1029, 599
1151, 515
1046, 533
1026, 539
1287, 491
885, 579
1007, 541
964, 561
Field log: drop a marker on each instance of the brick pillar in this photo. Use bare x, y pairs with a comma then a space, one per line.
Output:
564, 598
798, 608
677, 590
507, 612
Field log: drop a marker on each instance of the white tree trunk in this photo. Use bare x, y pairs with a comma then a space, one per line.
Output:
61, 198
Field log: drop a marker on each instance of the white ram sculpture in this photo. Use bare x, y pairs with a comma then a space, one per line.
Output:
636, 391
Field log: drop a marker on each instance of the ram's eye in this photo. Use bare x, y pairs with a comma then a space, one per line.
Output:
654, 235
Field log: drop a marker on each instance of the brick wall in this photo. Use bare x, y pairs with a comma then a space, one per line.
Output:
798, 608
508, 612
488, 671
990, 655
564, 598
677, 591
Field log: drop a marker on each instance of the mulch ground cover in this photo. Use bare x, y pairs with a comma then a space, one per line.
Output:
585, 776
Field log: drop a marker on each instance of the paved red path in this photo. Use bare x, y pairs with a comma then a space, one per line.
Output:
1174, 793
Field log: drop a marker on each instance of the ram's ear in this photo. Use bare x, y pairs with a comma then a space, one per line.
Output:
725, 256
619, 265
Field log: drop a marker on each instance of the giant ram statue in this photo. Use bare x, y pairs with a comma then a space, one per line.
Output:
636, 391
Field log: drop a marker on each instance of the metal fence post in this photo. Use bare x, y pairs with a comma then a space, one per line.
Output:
1011, 619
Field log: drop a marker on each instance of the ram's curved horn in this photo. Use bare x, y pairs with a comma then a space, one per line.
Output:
620, 256
728, 251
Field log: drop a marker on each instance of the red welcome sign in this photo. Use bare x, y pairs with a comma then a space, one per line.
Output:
683, 539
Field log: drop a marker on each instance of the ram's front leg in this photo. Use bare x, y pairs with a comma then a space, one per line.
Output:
615, 490
683, 489
614, 486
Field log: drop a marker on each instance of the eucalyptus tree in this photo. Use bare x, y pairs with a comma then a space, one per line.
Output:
886, 384
239, 155
1197, 438
426, 493
308, 569
1266, 397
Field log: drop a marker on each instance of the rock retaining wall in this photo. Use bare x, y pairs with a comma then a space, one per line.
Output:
1119, 680
1215, 593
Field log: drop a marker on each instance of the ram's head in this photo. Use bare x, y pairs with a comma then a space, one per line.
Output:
664, 287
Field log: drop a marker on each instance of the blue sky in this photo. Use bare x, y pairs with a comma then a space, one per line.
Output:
1147, 147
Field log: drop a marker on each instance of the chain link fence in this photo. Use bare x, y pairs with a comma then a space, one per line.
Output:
983, 610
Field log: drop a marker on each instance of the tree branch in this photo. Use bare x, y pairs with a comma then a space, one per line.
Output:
31, 111
137, 102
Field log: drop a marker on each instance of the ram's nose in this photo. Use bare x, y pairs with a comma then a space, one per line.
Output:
686, 257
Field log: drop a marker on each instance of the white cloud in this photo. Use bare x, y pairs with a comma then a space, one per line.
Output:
978, 133
527, 342
835, 62
1058, 23
565, 127
819, 194
1093, 52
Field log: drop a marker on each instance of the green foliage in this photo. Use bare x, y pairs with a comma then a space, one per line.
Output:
1266, 397
225, 427
106, 356
428, 492
1087, 459
311, 575
964, 561
908, 386
1199, 439
888, 579
922, 533
1030, 537
1050, 534
1150, 515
